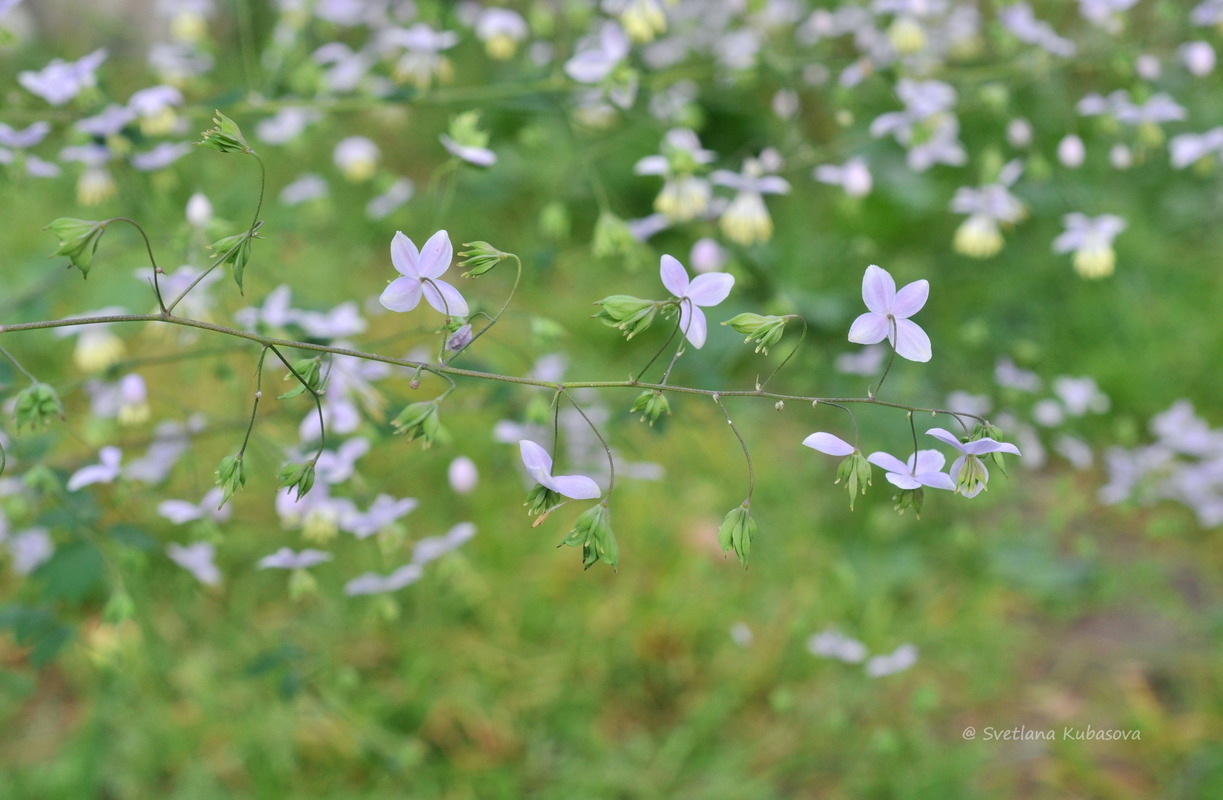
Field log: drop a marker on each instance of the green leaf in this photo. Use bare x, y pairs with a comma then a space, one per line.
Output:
73, 572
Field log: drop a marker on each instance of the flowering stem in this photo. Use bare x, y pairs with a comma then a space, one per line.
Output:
679, 351
892, 357
797, 344
493, 319
913, 428
661, 350
852, 418
751, 473
17, 364
152, 261
447, 370
258, 395
318, 400
611, 462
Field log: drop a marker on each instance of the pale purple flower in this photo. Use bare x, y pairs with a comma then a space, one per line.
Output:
741, 634
867, 361
385, 204
108, 122
1208, 12
539, 467
171, 440
1104, 12
307, 187
432, 548
422, 59
888, 315
746, 219
25, 138
1188, 148
598, 55
105, 471
501, 29
1091, 239
1080, 395
383, 511
706, 290
480, 156
967, 471
1071, 152
373, 583
337, 466
160, 156
421, 271
832, 644
30, 549
1199, 58
197, 559
286, 124
154, 100
180, 512
829, 444
922, 469
898, 660
1022, 23
462, 475
357, 157
854, 176
1074, 450
1010, 376
60, 81
707, 255
285, 558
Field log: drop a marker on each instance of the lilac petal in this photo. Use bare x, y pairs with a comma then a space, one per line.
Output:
928, 461
902, 480
828, 444
404, 255
910, 299
87, 476
946, 437
987, 445
435, 256
536, 460
771, 184
878, 290
445, 298
889, 462
936, 480
956, 466
674, 276
911, 341
692, 323
869, 328
179, 512
711, 288
576, 487
651, 165
402, 294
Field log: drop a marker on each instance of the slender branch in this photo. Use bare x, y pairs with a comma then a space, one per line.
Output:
661, 350
161, 303
679, 351
447, 370
318, 400
493, 319
794, 350
611, 462
258, 396
892, 357
751, 473
17, 364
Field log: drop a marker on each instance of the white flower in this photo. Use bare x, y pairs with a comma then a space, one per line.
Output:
1091, 239
888, 315
705, 290
197, 559
421, 271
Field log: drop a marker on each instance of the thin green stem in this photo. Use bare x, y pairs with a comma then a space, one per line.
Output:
493, 319
751, 473
611, 462
17, 364
318, 400
258, 396
892, 357
679, 351
797, 344
161, 304
661, 350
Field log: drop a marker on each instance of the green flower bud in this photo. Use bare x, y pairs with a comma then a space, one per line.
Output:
465, 130
631, 315
78, 240
767, 331
909, 498
554, 221
652, 404
225, 137
237, 251
297, 477
612, 236
737, 531
36, 405
541, 500
231, 476
592, 532
420, 421
118, 608
481, 257
309, 374
855, 473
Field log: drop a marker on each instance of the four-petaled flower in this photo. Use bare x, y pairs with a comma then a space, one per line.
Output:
889, 315
704, 290
922, 469
968, 472
421, 271
539, 467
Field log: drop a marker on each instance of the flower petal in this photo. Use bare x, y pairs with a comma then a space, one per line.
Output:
402, 294
575, 487
946, 437
692, 323
828, 444
889, 462
910, 299
869, 328
445, 298
988, 445
536, 460
911, 341
711, 288
936, 480
928, 461
902, 480
435, 256
404, 255
674, 276
878, 290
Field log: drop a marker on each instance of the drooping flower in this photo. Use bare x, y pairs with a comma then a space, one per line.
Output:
105, 471
539, 467
197, 559
889, 314
284, 558
898, 660
1091, 239
421, 271
746, 220
833, 644
922, 469
987, 207
968, 471
704, 290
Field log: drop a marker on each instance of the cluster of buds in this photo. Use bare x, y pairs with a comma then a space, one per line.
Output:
765, 330
78, 240
628, 314
737, 531
36, 405
420, 421
592, 532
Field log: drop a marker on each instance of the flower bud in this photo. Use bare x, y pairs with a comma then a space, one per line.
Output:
855, 473
612, 236
420, 421
225, 137
36, 405
652, 404
481, 257
460, 338
309, 375
297, 477
78, 240
737, 531
231, 476
909, 498
631, 315
540, 500
237, 251
767, 331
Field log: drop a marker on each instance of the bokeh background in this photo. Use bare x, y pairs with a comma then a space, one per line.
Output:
506, 670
